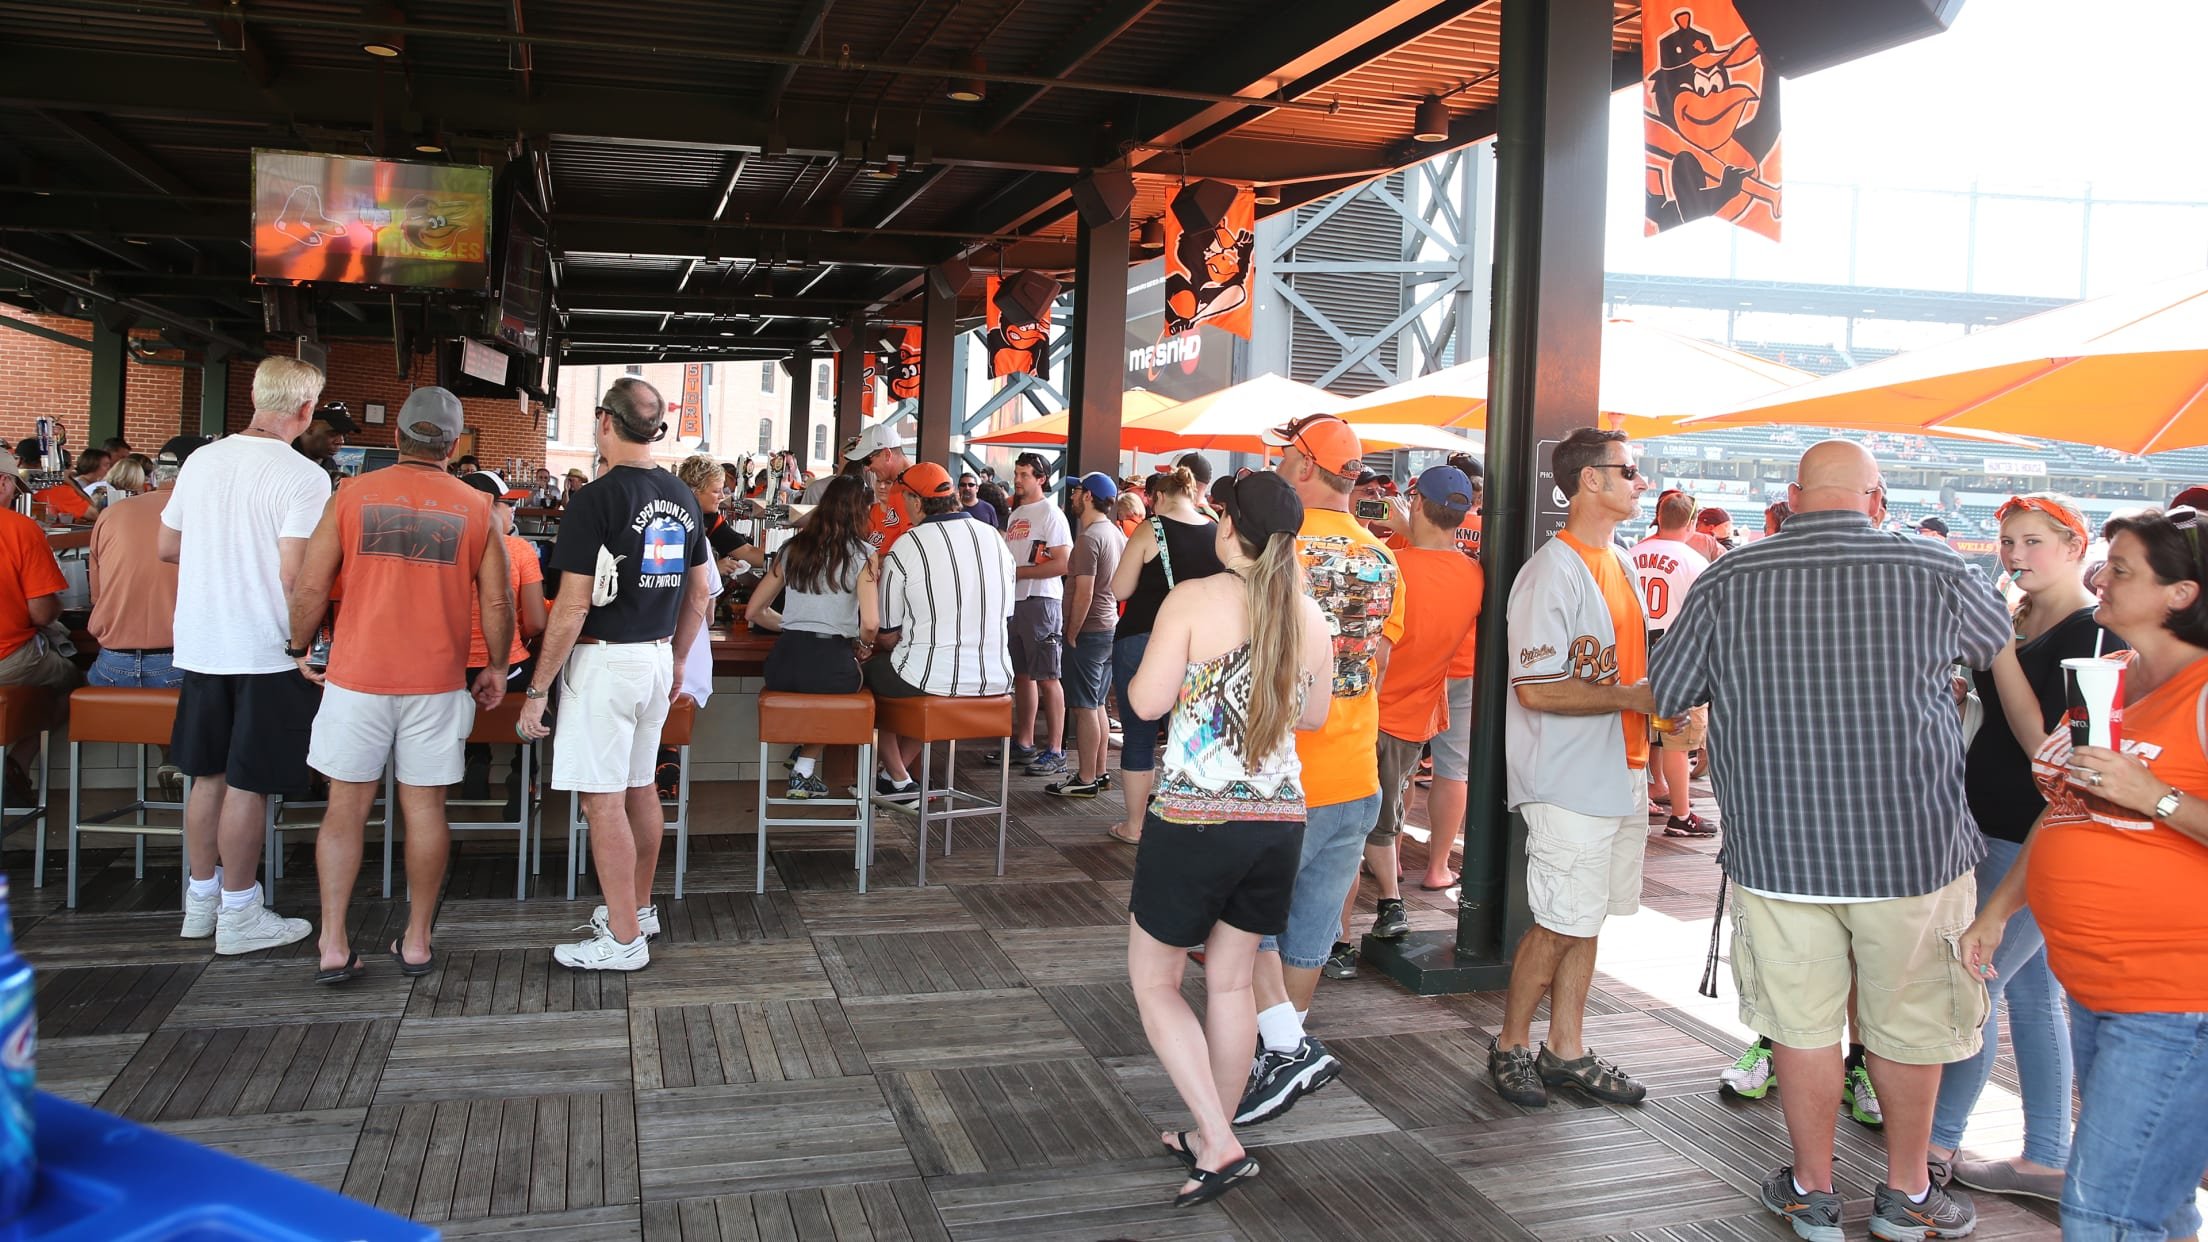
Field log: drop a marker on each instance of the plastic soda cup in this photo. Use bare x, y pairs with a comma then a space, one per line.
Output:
18, 1073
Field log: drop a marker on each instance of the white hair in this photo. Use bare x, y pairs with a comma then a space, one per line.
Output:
282, 385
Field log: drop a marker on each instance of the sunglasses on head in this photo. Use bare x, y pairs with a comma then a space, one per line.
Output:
2188, 521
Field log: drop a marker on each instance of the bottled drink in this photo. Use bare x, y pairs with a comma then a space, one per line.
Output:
18, 1075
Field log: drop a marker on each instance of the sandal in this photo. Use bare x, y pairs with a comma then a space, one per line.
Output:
351, 970
1692, 826
412, 970
1181, 1153
1211, 1184
1115, 834
1440, 888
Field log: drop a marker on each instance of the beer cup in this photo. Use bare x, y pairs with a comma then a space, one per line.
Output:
2096, 694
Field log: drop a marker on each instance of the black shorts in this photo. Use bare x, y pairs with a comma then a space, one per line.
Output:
803, 663
251, 729
882, 679
1189, 877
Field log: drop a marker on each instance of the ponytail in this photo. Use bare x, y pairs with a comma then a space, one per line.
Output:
1273, 586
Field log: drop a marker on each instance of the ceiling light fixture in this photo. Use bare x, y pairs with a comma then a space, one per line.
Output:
1150, 238
1265, 195
431, 139
969, 89
1433, 121
389, 45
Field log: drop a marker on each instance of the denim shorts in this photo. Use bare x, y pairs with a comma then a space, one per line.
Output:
1333, 845
1088, 669
2142, 1141
117, 668
1138, 747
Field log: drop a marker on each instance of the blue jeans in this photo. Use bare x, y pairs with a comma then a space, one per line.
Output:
155, 672
1138, 746
1333, 845
2038, 1027
2142, 1142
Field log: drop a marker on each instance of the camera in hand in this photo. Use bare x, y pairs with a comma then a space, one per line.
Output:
318, 655
1372, 510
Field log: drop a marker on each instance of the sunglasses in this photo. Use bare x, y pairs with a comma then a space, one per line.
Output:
2187, 519
1628, 472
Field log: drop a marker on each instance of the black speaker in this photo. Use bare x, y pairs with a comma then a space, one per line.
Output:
949, 279
1025, 297
1104, 197
789, 367
1203, 205
1798, 38
839, 339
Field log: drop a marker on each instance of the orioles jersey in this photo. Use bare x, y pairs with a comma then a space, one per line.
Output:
1665, 569
1561, 628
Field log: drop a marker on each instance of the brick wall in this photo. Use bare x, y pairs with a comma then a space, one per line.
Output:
38, 376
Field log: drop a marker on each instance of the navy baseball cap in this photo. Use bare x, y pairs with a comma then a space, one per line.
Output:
1446, 486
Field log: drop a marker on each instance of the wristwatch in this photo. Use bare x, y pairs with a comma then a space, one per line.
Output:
2168, 805
296, 653
531, 692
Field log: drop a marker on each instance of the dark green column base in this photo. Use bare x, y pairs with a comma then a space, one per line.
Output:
1429, 965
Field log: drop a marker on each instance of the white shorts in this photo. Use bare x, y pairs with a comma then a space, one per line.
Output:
1580, 869
355, 732
613, 702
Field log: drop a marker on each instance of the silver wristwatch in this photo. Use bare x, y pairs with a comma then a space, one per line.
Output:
2168, 805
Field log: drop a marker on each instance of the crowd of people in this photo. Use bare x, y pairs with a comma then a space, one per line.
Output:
1914, 835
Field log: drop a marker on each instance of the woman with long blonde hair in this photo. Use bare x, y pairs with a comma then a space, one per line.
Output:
1240, 660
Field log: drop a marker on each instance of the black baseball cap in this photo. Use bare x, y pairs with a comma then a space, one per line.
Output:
1262, 504
178, 448
1933, 524
338, 416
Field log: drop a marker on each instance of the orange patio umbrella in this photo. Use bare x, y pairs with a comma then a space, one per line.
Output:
1650, 379
2128, 371
1050, 429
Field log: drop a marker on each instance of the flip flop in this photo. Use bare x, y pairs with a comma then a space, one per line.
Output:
1440, 888
412, 970
1211, 1184
1181, 1153
1116, 835
351, 970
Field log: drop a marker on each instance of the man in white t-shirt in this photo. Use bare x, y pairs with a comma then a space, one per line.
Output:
1666, 564
1041, 543
237, 528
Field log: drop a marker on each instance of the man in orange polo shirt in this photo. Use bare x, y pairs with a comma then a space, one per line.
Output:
1353, 577
417, 550
30, 599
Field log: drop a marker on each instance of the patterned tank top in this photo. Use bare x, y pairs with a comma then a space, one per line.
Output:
1201, 777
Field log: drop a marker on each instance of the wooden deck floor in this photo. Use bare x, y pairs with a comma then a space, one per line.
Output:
960, 1061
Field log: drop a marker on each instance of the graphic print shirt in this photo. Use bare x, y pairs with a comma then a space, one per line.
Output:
412, 538
648, 522
1353, 577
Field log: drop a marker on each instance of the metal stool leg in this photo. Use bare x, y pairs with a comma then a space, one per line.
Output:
927, 759
760, 864
138, 813
1004, 801
76, 817
949, 804
866, 819
682, 820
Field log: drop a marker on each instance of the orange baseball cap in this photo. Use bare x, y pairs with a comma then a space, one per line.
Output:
928, 479
1325, 439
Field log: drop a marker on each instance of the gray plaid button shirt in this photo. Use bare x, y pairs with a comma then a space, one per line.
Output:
1824, 652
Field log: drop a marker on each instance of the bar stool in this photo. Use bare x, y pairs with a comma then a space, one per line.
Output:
127, 716
24, 711
682, 718
496, 727
934, 718
787, 719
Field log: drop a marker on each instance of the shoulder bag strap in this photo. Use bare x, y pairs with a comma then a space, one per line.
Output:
1165, 552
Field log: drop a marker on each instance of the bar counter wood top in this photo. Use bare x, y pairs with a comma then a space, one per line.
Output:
740, 652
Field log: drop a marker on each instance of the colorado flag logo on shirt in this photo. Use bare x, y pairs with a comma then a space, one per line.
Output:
663, 545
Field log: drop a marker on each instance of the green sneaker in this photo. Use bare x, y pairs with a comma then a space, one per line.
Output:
1752, 1076
1860, 1098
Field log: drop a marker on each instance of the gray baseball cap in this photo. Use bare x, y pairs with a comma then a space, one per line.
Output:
432, 413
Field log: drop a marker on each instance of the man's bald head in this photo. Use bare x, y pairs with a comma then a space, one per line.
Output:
1838, 474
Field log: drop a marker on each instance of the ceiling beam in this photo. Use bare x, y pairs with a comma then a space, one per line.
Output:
524, 55
802, 33
1093, 36
120, 151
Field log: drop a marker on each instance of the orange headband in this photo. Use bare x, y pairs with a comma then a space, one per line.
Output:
2039, 504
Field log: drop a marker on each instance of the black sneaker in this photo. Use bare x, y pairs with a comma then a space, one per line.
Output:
1392, 923
807, 786
1516, 1075
1814, 1214
1281, 1078
1944, 1213
887, 788
1342, 962
1021, 755
1072, 787
1103, 780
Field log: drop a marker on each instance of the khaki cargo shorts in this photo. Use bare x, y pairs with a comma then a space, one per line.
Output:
1917, 1002
1692, 731
1581, 869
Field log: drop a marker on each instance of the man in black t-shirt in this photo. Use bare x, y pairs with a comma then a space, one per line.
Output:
636, 581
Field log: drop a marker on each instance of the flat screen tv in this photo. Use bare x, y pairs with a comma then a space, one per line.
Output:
398, 224
522, 285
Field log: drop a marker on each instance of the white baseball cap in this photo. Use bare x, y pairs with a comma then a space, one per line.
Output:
882, 435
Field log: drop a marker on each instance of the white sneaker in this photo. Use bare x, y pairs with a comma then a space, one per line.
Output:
199, 914
603, 952
647, 921
250, 929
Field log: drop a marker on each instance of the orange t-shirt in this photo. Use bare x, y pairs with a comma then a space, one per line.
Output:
413, 539
1621, 596
133, 589
895, 511
522, 568
27, 572
1355, 581
2117, 892
1468, 536
1441, 611
62, 498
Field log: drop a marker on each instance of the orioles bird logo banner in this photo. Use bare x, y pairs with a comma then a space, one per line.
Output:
900, 367
1711, 118
1014, 348
1208, 267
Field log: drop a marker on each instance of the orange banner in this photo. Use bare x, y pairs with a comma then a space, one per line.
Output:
690, 423
1711, 118
866, 382
1210, 266
1014, 348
